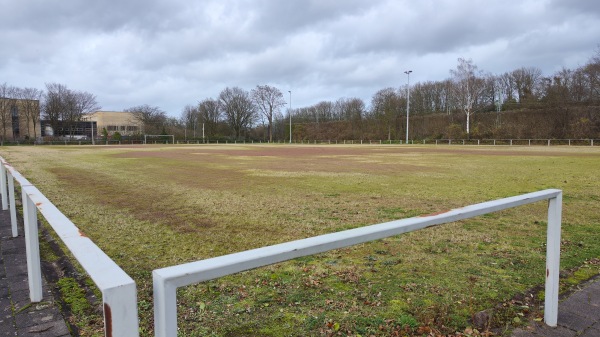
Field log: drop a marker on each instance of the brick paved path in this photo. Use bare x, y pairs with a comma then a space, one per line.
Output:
578, 315
18, 316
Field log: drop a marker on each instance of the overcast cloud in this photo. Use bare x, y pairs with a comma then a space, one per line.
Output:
170, 53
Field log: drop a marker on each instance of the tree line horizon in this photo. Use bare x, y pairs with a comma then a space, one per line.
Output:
469, 104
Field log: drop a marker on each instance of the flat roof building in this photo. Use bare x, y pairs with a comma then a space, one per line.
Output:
19, 119
115, 121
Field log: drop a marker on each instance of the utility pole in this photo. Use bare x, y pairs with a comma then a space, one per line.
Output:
407, 101
290, 116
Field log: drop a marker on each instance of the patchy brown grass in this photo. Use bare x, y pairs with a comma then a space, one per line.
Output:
150, 207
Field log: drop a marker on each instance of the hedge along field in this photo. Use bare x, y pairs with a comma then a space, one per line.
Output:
149, 207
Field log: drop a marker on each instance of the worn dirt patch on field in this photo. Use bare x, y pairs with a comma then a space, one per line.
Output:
143, 206
343, 150
302, 159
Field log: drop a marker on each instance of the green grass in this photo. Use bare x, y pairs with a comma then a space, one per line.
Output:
151, 207
73, 295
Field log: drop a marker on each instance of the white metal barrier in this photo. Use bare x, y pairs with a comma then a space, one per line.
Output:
119, 293
167, 280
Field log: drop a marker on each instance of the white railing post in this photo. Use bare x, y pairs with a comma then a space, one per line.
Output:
118, 289
32, 247
120, 311
165, 306
13, 205
119, 292
553, 260
3, 187
167, 280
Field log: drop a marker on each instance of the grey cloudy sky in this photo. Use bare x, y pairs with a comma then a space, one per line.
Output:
170, 53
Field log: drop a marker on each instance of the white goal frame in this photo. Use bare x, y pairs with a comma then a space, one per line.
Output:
172, 138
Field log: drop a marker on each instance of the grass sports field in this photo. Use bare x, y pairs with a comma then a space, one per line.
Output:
149, 207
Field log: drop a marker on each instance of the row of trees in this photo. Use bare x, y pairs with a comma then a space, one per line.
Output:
238, 110
61, 104
466, 92
258, 113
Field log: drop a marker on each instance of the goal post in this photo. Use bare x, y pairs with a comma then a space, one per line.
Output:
162, 138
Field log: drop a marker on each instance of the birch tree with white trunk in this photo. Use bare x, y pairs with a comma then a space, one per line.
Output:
468, 86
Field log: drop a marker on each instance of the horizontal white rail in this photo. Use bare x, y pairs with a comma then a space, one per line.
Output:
167, 280
514, 141
119, 294
457, 141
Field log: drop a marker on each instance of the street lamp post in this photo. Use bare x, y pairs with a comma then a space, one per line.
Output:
407, 101
290, 112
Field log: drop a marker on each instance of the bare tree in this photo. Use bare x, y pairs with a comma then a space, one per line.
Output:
172, 126
526, 81
238, 108
69, 106
209, 115
422, 98
468, 87
76, 105
68, 112
31, 108
352, 110
579, 86
54, 103
151, 117
486, 101
85, 103
324, 110
268, 100
385, 105
189, 119
592, 73
508, 86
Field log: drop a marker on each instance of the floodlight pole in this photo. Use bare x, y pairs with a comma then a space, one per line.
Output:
407, 101
290, 112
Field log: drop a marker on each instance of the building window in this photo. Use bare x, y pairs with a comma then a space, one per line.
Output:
14, 111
